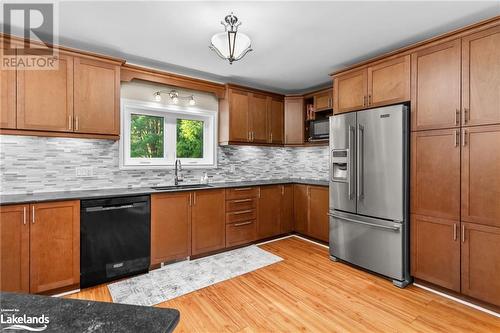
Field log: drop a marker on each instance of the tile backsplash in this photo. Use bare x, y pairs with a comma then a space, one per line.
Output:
41, 164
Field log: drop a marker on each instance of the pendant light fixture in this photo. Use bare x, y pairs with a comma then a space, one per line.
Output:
231, 45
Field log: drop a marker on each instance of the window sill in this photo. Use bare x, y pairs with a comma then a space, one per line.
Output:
167, 167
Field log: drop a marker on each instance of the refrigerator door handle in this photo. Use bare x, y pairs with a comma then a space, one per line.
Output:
394, 228
361, 160
350, 160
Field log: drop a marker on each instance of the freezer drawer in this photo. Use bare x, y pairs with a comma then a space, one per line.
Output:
376, 245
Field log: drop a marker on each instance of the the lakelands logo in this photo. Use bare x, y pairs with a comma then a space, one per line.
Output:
15, 321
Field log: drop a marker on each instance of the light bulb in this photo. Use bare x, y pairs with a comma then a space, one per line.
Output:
192, 101
175, 99
157, 97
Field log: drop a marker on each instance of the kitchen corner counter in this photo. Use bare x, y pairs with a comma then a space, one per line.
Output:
35, 197
69, 315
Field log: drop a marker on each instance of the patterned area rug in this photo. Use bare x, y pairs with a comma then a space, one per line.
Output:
184, 277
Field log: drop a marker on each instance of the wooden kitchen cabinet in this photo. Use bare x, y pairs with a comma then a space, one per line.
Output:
435, 250
45, 97
294, 120
436, 86
481, 262
258, 118
286, 208
170, 226
7, 96
435, 167
481, 77
300, 208
97, 97
323, 100
318, 226
269, 211
276, 121
350, 91
14, 248
54, 245
208, 221
389, 82
481, 175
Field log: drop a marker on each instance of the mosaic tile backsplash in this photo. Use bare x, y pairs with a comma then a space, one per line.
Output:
37, 164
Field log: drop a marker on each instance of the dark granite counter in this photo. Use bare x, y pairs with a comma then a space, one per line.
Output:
68, 315
94, 194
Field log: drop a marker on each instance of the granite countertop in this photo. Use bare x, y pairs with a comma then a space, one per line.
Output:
104, 193
69, 315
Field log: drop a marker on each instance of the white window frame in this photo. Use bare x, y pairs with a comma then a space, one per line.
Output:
170, 113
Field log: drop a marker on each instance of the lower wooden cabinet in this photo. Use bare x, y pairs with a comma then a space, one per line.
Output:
54, 245
208, 221
170, 226
269, 216
286, 208
310, 206
14, 248
300, 206
435, 251
240, 233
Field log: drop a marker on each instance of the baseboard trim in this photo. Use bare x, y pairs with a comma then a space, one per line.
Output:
311, 241
477, 307
274, 240
69, 292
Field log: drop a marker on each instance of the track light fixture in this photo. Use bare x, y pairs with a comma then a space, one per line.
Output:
174, 97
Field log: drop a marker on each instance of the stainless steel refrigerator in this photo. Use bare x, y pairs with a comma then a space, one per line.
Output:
369, 224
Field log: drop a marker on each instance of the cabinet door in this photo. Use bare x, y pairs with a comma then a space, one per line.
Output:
238, 116
170, 226
258, 118
286, 208
389, 82
269, 211
435, 251
350, 91
97, 97
294, 121
300, 208
435, 181
323, 100
54, 245
8, 96
208, 221
45, 98
481, 175
481, 262
481, 77
436, 87
276, 115
14, 248
318, 210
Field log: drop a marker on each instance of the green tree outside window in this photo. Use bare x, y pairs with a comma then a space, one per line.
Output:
146, 136
189, 138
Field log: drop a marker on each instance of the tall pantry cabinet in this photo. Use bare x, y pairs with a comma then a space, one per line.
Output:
456, 165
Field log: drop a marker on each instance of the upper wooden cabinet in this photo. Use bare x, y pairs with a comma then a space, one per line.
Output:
323, 100
436, 86
250, 116
45, 97
14, 248
7, 96
96, 97
389, 82
294, 120
350, 90
481, 78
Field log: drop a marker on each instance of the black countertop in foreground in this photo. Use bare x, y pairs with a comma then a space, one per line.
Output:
68, 315
104, 193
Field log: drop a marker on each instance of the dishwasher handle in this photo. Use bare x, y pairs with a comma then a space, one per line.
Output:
105, 208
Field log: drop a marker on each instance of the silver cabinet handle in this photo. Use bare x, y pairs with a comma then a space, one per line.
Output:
24, 215
243, 189
33, 214
466, 115
463, 233
457, 138
454, 231
457, 117
241, 224
70, 122
190, 200
351, 162
242, 200
242, 212
76, 123
361, 160
369, 99
282, 190
271, 137
464, 138
194, 199
394, 228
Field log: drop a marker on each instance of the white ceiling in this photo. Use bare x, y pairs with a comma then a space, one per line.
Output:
296, 44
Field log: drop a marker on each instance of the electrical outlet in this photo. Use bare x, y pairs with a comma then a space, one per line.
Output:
84, 172
232, 168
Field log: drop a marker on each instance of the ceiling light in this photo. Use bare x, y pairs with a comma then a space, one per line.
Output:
231, 44
192, 101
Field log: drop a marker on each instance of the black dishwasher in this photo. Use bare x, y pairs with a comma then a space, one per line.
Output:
114, 238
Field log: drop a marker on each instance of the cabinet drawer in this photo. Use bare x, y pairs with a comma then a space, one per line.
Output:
241, 204
242, 193
241, 215
240, 233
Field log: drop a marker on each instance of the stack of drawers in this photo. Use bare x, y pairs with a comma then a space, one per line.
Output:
241, 215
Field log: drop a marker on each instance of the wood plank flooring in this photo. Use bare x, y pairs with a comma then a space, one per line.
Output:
308, 292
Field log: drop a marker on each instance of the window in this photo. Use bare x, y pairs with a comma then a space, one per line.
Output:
155, 135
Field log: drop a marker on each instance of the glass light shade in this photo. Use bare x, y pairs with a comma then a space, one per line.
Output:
192, 101
175, 99
157, 97
242, 44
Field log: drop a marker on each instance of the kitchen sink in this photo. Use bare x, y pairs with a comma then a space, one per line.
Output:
180, 187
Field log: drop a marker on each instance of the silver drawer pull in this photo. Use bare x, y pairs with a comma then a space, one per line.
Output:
394, 228
243, 189
242, 200
242, 212
242, 224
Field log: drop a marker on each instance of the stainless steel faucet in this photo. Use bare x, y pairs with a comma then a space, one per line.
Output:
178, 169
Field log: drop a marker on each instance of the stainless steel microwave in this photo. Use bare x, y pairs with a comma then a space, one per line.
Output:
319, 129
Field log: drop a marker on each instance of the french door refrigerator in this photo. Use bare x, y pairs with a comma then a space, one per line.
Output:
369, 224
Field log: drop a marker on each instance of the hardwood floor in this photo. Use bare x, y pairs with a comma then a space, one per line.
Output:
308, 292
